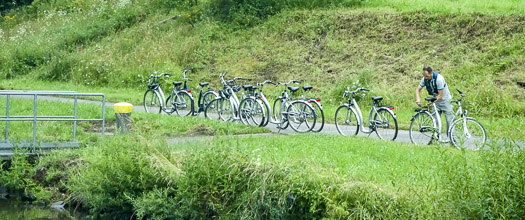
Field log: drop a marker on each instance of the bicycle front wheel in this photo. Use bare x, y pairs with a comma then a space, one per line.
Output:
301, 116
385, 125
422, 128
219, 109
152, 102
467, 133
346, 121
251, 112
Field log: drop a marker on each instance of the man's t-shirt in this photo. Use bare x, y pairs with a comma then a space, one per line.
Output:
441, 85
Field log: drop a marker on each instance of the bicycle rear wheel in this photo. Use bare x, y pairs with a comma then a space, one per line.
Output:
183, 104
385, 125
301, 116
251, 112
346, 121
319, 114
468, 134
422, 128
207, 98
152, 102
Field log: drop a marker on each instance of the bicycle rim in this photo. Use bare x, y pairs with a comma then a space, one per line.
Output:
301, 117
183, 104
385, 125
422, 129
346, 121
152, 102
212, 110
468, 134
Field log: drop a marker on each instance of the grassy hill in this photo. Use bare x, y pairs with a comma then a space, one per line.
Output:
113, 46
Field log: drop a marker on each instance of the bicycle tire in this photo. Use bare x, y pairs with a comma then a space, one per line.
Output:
213, 109
476, 131
208, 97
152, 102
318, 112
346, 120
385, 121
267, 113
299, 113
426, 129
184, 104
251, 112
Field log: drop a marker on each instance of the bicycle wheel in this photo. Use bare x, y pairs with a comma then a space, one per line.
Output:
207, 98
251, 112
468, 134
422, 128
266, 113
301, 116
385, 124
279, 107
346, 120
219, 109
213, 109
319, 114
183, 104
152, 102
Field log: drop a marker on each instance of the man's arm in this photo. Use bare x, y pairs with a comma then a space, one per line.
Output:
418, 99
440, 95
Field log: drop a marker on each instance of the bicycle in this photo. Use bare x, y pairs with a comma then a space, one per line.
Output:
293, 112
154, 97
251, 109
226, 106
267, 109
382, 120
186, 98
318, 109
466, 132
425, 125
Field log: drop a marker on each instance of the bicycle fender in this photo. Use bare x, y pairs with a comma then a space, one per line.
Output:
319, 104
388, 109
191, 96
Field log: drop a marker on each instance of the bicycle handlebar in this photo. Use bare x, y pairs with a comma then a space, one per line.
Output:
355, 91
184, 75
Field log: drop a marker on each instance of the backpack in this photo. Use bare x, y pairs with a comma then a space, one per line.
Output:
432, 86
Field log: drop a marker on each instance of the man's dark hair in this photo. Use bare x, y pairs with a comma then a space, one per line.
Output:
428, 69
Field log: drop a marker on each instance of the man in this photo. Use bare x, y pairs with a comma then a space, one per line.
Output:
437, 87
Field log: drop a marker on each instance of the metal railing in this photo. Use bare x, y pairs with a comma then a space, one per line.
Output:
34, 95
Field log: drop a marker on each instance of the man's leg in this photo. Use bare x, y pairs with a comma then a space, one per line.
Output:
446, 108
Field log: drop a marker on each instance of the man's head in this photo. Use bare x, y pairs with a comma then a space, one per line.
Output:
427, 72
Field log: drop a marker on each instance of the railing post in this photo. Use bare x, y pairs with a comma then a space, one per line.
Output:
7, 121
75, 122
103, 114
34, 120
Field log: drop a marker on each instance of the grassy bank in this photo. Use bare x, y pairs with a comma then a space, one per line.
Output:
291, 177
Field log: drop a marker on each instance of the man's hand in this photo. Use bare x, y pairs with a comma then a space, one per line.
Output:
418, 103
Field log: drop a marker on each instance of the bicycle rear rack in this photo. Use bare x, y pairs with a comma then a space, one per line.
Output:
38, 147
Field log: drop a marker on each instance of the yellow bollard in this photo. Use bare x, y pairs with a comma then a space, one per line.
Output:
123, 115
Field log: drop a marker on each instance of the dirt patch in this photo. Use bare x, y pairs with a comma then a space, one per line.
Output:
201, 129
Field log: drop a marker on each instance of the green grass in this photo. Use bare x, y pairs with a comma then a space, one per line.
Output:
142, 124
299, 176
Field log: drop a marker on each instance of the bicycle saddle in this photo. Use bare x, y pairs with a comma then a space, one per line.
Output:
293, 88
202, 84
377, 98
177, 83
306, 88
430, 99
